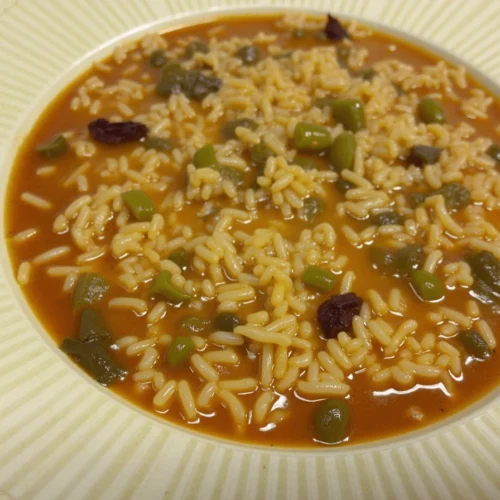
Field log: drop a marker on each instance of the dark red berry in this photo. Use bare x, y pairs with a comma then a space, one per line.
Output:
336, 314
101, 130
334, 30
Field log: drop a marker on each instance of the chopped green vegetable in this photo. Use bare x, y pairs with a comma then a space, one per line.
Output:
383, 260
96, 360
54, 148
93, 327
342, 152
343, 186
157, 58
421, 155
228, 129
407, 259
309, 136
306, 162
325, 102
318, 278
179, 351
162, 285
180, 257
90, 289
226, 321
331, 420
474, 344
161, 144
366, 73
430, 111
416, 199
312, 208
455, 195
494, 152
194, 47
194, 84
140, 204
205, 157
249, 55
349, 112
171, 80
259, 153
486, 268
426, 285
195, 324
387, 218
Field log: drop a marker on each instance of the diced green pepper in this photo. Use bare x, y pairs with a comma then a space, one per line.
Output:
179, 351
205, 157
228, 129
455, 195
157, 58
54, 148
325, 102
430, 111
407, 259
93, 327
312, 208
486, 267
318, 278
331, 421
426, 285
298, 33
366, 73
474, 344
96, 360
387, 218
416, 199
382, 260
249, 55
195, 324
194, 47
162, 285
90, 289
309, 136
171, 80
421, 155
140, 204
226, 321
259, 153
349, 112
161, 144
180, 257
342, 152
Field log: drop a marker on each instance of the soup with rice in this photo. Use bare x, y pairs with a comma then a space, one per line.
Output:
275, 229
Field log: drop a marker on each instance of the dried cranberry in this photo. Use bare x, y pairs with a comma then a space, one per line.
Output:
101, 130
336, 314
334, 30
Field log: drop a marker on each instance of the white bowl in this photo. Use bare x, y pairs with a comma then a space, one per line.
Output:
61, 435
